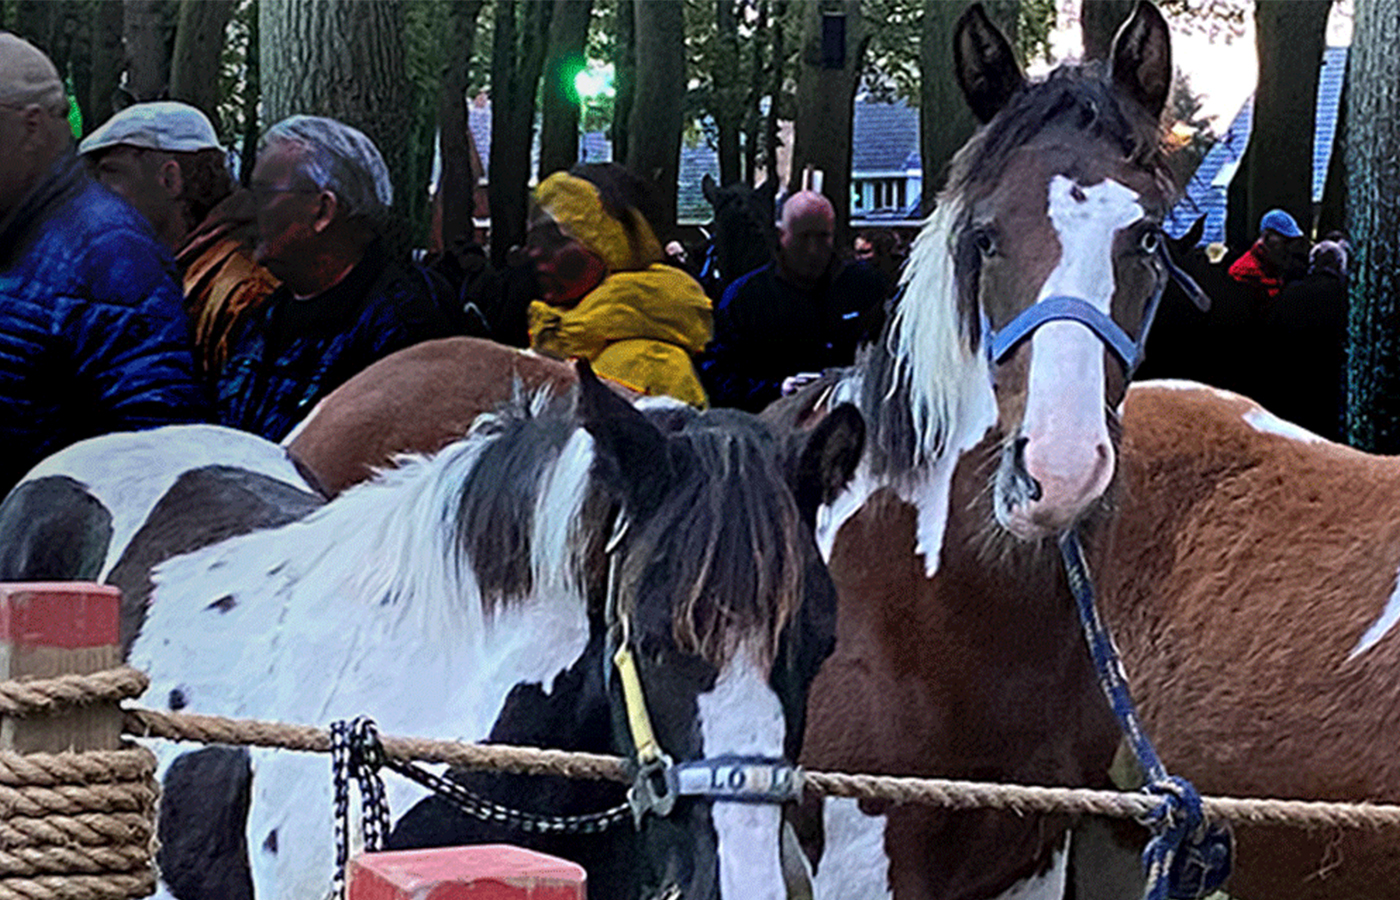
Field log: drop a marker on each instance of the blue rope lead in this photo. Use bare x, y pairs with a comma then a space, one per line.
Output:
1187, 857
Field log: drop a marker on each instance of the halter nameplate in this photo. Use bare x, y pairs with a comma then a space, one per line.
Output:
744, 779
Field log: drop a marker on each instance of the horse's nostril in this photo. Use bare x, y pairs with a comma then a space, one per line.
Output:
1018, 450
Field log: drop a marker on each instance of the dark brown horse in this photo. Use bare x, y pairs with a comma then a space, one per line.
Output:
958, 651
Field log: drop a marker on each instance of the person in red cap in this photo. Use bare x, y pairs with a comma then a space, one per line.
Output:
1280, 255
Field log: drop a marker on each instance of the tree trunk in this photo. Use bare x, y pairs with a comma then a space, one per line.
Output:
1373, 186
345, 61
624, 76
34, 21
1276, 170
457, 188
728, 106
560, 102
945, 121
252, 95
1099, 21
775, 88
108, 62
753, 120
146, 32
656, 110
199, 40
826, 88
517, 55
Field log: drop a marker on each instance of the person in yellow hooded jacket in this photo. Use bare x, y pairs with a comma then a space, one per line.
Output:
604, 293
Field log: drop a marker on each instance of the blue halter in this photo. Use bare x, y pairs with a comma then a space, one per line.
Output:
1002, 342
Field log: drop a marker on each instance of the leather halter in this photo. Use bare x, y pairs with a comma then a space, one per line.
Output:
1001, 343
659, 780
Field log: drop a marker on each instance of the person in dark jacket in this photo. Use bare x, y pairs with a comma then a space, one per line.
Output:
165, 159
93, 338
321, 190
804, 312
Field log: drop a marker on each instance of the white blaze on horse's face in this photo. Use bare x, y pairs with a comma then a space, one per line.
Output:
741, 715
1067, 447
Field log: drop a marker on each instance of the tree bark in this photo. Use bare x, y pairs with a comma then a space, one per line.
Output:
753, 120
656, 110
825, 106
624, 76
146, 32
945, 120
1099, 21
560, 102
517, 55
345, 61
199, 41
1373, 207
1276, 170
776, 75
252, 95
460, 168
108, 62
728, 106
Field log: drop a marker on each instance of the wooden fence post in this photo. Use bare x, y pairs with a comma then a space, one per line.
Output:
49, 629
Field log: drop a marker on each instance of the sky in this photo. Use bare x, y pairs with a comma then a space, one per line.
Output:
1223, 68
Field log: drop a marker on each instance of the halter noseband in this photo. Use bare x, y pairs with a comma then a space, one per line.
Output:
659, 780
1002, 342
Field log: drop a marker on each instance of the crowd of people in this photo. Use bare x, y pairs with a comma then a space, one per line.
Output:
140, 285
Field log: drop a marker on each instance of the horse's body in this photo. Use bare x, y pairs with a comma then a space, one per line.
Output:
417, 400
958, 652
1249, 574
476, 594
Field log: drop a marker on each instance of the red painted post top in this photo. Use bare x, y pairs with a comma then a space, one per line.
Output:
483, 872
71, 615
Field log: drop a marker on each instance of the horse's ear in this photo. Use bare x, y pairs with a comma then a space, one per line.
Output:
986, 65
709, 188
827, 460
1142, 58
630, 452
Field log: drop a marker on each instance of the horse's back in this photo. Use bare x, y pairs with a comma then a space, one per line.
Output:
415, 401
73, 514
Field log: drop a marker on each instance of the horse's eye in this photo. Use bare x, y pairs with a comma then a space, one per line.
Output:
1150, 241
985, 240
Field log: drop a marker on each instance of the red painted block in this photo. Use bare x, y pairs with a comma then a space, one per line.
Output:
71, 615
483, 872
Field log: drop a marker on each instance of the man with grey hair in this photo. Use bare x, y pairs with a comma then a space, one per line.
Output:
321, 192
164, 158
93, 338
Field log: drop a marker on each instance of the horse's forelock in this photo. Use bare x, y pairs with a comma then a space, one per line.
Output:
1081, 98
730, 538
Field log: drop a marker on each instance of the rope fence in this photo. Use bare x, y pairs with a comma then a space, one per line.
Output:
79, 826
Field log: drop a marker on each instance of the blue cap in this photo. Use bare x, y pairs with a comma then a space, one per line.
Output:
1280, 221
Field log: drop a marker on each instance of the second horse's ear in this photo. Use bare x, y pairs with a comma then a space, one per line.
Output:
827, 460
985, 63
630, 453
710, 189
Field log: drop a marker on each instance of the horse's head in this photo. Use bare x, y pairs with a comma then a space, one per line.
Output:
718, 612
1048, 237
743, 232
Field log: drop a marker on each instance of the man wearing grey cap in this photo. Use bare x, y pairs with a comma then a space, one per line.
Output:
92, 335
165, 159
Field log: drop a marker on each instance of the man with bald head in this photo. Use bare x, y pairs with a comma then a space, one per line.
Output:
804, 312
93, 335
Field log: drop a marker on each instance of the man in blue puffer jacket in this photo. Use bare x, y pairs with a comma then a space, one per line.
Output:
93, 334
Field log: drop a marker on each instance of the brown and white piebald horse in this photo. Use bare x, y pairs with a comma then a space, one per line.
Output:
990, 406
1249, 574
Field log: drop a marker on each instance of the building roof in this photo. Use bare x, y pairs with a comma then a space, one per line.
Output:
1206, 192
885, 138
